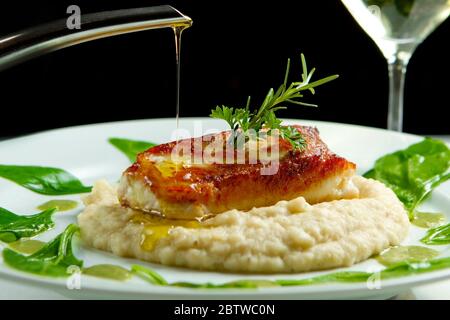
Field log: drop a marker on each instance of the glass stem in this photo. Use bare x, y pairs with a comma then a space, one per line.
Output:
397, 72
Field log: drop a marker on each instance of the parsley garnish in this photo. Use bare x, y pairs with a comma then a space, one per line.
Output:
242, 120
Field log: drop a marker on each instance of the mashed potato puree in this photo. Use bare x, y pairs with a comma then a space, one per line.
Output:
291, 236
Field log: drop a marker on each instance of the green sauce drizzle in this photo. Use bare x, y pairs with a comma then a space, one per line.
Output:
27, 246
60, 205
395, 255
108, 271
428, 219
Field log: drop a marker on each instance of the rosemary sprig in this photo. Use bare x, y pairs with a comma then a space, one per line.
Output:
242, 120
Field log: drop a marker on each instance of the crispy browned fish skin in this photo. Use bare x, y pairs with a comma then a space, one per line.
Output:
199, 190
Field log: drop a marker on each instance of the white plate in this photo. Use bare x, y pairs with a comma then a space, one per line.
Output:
85, 152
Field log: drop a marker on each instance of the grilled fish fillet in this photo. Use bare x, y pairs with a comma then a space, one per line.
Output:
184, 190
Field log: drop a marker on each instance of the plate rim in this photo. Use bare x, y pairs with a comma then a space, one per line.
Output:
336, 288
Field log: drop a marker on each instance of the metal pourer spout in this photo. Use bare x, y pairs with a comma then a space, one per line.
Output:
33, 42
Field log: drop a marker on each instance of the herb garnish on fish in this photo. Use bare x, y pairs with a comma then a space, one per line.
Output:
243, 120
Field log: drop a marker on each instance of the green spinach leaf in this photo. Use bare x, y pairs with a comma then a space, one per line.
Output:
402, 269
43, 180
52, 260
131, 148
14, 227
438, 235
410, 268
414, 172
348, 276
148, 275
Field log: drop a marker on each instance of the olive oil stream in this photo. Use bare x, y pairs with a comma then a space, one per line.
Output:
178, 30
156, 227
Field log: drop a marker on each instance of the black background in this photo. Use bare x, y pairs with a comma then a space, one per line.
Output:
234, 49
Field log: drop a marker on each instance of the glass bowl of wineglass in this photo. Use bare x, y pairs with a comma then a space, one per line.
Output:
398, 27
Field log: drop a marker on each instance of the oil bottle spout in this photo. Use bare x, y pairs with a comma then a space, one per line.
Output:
33, 42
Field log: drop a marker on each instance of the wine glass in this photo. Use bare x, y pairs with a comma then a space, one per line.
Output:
398, 27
